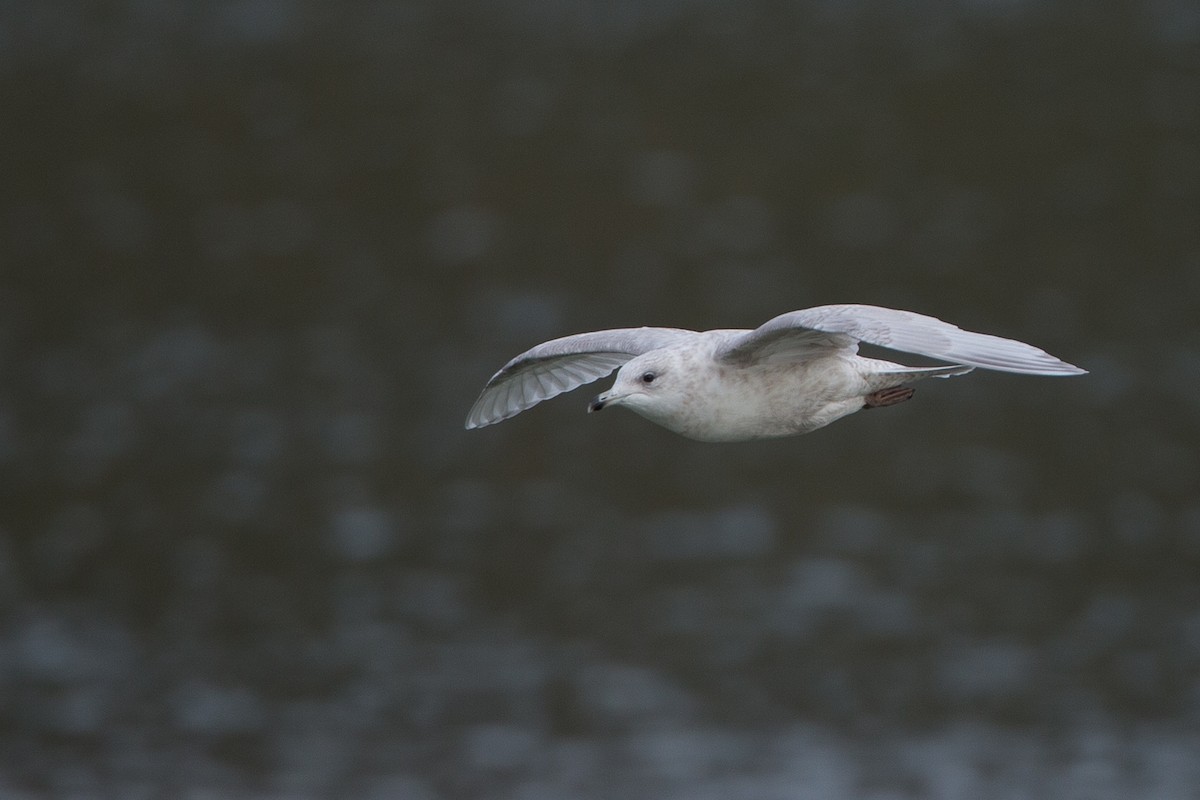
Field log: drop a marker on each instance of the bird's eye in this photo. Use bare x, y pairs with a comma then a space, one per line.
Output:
648, 377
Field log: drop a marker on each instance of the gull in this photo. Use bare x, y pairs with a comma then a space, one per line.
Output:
791, 375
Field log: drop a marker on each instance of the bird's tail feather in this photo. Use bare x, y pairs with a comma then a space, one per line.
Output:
916, 373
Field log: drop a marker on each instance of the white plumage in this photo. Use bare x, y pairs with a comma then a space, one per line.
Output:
792, 374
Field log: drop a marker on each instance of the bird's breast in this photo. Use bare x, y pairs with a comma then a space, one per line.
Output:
738, 403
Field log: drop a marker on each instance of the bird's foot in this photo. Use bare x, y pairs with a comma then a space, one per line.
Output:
887, 397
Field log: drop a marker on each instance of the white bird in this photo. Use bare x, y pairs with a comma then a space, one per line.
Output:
795, 373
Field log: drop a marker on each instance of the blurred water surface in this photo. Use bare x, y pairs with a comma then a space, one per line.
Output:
258, 256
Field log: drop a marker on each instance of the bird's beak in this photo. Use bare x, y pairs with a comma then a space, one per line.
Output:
603, 399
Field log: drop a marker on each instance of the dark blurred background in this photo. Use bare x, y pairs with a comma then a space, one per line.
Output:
259, 256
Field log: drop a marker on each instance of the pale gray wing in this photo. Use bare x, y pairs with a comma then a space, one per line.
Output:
561, 365
813, 332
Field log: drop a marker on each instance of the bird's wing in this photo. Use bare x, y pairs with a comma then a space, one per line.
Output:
814, 332
561, 365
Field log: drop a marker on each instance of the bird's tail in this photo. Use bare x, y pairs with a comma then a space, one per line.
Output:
898, 373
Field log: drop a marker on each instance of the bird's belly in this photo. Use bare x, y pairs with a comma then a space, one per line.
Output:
782, 400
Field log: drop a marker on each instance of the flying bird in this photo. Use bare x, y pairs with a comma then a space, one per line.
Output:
793, 374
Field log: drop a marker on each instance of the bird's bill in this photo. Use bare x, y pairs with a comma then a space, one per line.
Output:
605, 399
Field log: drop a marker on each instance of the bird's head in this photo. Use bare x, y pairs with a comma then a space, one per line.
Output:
652, 384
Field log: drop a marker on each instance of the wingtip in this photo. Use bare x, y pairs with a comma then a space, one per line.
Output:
474, 422
1063, 371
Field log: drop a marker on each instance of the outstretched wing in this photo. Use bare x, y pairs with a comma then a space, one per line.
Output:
814, 332
561, 365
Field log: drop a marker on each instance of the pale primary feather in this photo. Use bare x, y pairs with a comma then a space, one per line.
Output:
561, 365
816, 331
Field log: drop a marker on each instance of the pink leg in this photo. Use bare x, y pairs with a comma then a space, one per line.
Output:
887, 397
